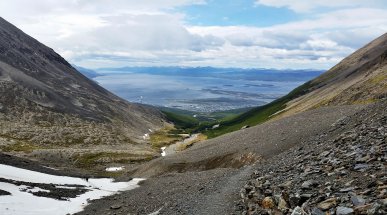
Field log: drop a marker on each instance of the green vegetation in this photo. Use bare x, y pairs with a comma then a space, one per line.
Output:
186, 119
225, 115
232, 120
20, 147
381, 78
257, 115
181, 120
164, 137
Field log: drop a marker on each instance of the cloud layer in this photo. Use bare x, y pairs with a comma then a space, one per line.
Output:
306, 6
103, 33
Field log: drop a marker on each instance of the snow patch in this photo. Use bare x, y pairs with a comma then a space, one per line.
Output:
156, 212
50, 168
114, 169
33, 189
24, 203
163, 153
146, 136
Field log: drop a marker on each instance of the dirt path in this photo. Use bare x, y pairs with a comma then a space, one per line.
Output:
222, 201
207, 192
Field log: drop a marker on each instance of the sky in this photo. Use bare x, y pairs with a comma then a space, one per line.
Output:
291, 34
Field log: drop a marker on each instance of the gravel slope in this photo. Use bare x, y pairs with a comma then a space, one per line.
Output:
215, 190
343, 171
249, 145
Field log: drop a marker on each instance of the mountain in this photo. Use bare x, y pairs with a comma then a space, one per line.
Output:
46, 103
305, 156
308, 162
259, 74
360, 78
87, 72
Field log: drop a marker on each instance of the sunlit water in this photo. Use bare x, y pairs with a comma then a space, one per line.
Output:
203, 94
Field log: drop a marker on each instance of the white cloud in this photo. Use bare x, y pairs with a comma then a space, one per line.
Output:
39, 7
315, 43
105, 33
310, 5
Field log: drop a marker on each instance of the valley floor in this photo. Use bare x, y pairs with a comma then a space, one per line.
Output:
217, 176
204, 180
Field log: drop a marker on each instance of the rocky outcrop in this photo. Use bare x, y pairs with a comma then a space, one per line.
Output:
340, 172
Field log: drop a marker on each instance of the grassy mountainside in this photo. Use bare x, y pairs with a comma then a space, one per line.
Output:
255, 116
189, 119
359, 78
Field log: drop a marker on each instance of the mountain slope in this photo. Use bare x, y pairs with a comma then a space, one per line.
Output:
46, 102
301, 160
358, 79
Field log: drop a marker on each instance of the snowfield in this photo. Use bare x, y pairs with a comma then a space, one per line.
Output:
25, 203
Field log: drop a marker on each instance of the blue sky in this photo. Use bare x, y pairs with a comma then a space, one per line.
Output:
240, 12
296, 34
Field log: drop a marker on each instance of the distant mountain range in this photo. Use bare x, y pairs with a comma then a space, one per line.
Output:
228, 73
86, 72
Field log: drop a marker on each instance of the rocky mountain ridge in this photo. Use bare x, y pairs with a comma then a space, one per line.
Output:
45, 103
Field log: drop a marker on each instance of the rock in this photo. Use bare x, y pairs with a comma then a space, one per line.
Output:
268, 192
248, 188
298, 211
304, 197
346, 176
382, 187
316, 211
372, 184
285, 185
268, 203
4, 193
294, 201
362, 159
347, 189
324, 154
374, 209
361, 167
116, 206
357, 201
344, 211
267, 183
327, 204
282, 204
309, 184
362, 209
349, 183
